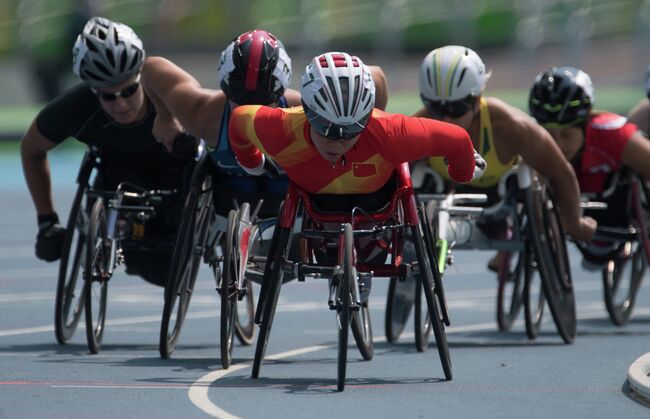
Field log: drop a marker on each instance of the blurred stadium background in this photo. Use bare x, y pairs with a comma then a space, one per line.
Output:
515, 38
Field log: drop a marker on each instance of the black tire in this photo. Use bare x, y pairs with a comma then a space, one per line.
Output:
273, 274
426, 279
533, 295
421, 320
549, 244
69, 300
621, 281
259, 311
343, 304
245, 331
398, 306
96, 276
228, 289
511, 276
510, 291
620, 292
359, 319
189, 246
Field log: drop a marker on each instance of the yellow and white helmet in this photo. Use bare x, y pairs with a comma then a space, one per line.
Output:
452, 73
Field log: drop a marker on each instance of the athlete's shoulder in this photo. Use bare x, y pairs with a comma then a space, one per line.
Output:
607, 121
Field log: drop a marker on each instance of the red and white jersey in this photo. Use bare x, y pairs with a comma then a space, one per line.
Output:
605, 137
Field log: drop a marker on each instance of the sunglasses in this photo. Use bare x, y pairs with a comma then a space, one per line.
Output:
452, 108
334, 131
125, 93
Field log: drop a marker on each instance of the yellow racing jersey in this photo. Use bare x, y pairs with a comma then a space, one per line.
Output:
495, 169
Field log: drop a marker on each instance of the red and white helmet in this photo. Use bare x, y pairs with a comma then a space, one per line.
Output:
254, 69
339, 89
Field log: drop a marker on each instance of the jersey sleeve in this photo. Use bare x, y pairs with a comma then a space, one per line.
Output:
611, 133
65, 116
244, 141
408, 139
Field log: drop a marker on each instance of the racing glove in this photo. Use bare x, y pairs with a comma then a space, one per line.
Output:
480, 165
50, 237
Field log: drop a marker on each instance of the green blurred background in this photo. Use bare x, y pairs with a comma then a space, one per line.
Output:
516, 39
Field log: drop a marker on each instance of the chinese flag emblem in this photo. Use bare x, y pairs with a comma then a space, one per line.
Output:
363, 169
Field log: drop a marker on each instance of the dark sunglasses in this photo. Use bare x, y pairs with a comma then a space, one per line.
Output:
333, 131
452, 109
125, 93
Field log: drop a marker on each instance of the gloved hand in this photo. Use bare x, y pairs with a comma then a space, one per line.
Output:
50, 237
271, 168
185, 146
480, 165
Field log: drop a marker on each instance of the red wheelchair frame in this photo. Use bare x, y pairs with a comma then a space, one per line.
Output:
353, 233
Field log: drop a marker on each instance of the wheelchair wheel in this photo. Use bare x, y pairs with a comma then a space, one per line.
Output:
426, 279
228, 289
272, 281
533, 295
189, 246
264, 286
69, 290
399, 303
96, 276
549, 243
421, 320
511, 276
621, 279
362, 331
245, 331
344, 285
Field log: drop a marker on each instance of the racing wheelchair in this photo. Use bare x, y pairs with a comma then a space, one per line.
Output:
100, 226
205, 237
534, 269
621, 244
349, 245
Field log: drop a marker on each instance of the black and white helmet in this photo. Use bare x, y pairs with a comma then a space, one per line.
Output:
107, 53
338, 88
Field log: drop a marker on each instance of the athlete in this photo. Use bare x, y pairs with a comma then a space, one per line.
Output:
254, 69
338, 143
452, 81
597, 143
640, 114
108, 110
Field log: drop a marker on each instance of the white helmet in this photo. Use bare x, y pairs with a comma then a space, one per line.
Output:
452, 73
107, 53
338, 94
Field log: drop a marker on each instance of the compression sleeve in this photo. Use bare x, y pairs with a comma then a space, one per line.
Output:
244, 141
408, 139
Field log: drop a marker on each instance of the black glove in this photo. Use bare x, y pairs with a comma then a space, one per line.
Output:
271, 168
50, 238
185, 146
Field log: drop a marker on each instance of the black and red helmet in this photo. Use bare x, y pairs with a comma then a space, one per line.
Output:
254, 69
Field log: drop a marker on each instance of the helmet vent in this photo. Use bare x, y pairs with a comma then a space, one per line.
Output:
123, 60
101, 67
332, 90
110, 58
461, 77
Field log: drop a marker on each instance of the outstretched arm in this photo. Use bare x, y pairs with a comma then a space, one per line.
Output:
381, 87
176, 94
536, 146
636, 154
640, 115
415, 138
33, 152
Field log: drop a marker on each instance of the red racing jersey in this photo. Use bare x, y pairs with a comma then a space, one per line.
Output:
387, 141
605, 137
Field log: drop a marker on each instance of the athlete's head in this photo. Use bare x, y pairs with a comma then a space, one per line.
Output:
254, 69
338, 95
561, 97
107, 53
108, 57
451, 78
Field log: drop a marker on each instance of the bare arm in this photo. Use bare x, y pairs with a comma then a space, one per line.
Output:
33, 152
175, 93
381, 87
640, 115
292, 97
536, 146
636, 154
